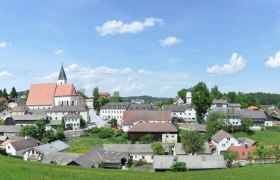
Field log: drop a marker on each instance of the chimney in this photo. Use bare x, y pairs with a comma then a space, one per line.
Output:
38, 143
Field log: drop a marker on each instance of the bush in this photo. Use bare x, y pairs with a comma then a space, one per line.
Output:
60, 134
119, 133
105, 133
3, 152
83, 123
95, 130
147, 139
178, 167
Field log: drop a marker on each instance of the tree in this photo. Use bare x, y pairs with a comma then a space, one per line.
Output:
5, 94
201, 100
230, 156
276, 152
147, 139
178, 167
116, 97
1, 93
192, 142
62, 125
232, 97
13, 93
158, 149
113, 122
215, 93
105, 133
60, 133
41, 128
82, 93
96, 104
103, 101
83, 123
29, 130
49, 135
246, 124
215, 122
259, 151
182, 94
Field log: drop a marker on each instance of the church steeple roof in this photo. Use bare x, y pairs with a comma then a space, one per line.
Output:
62, 75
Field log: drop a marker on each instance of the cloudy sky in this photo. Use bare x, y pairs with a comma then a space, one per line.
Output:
141, 47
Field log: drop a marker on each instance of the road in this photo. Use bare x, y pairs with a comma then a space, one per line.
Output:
95, 118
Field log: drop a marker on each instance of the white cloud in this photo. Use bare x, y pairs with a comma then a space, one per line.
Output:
4, 44
236, 63
5, 74
57, 52
119, 27
126, 80
169, 41
273, 62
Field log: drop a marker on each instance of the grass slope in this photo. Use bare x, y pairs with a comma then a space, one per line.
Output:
84, 144
19, 169
264, 137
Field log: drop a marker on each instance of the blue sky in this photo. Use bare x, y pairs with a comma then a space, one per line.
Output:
141, 47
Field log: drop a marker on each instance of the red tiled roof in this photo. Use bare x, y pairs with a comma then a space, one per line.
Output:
252, 108
3, 99
89, 100
131, 117
41, 94
104, 94
65, 90
243, 152
153, 127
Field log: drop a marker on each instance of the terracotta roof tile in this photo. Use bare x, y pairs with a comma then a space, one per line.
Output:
65, 90
243, 152
153, 127
41, 94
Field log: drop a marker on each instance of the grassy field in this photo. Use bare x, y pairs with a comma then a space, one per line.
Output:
265, 137
84, 144
19, 169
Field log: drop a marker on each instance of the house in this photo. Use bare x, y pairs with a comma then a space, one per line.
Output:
9, 140
137, 101
3, 99
231, 115
37, 153
195, 162
114, 110
244, 152
22, 120
72, 121
99, 157
58, 112
60, 158
253, 108
9, 131
162, 132
178, 100
258, 117
3, 139
137, 152
89, 103
19, 110
222, 140
16, 148
178, 149
183, 112
130, 118
246, 142
201, 128
219, 103
104, 95
14, 102
52, 124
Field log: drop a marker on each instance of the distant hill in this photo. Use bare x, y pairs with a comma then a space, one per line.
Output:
266, 98
147, 99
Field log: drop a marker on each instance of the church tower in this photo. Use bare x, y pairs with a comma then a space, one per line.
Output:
62, 79
188, 98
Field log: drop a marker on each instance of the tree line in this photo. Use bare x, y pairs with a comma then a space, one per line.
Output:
13, 93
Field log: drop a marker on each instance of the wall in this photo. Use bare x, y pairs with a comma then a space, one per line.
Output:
147, 157
112, 113
59, 115
10, 149
224, 144
39, 107
169, 138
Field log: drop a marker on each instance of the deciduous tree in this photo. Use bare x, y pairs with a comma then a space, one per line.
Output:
192, 142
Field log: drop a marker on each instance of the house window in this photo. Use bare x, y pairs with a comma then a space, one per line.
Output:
166, 136
172, 136
9, 147
143, 157
223, 145
228, 138
243, 153
135, 156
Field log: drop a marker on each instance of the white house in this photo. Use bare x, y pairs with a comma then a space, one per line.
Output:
72, 121
219, 103
16, 148
222, 140
57, 112
184, 112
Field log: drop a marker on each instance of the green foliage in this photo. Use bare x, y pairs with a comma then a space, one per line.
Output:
246, 124
165, 102
215, 122
60, 134
113, 122
44, 140
2, 106
158, 149
259, 151
62, 124
5, 94
1, 93
201, 100
232, 97
95, 130
3, 152
82, 93
40, 124
96, 104
29, 130
103, 101
49, 135
2, 122
147, 139
192, 142
83, 123
13, 93
116, 97
182, 94
215, 93
230, 156
178, 167
105, 133
119, 133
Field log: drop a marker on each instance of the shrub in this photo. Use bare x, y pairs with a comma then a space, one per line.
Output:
119, 133
60, 134
158, 149
95, 130
3, 152
146, 139
178, 167
105, 133
83, 123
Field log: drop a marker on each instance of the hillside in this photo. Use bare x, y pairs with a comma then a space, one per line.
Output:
19, 169
147, 99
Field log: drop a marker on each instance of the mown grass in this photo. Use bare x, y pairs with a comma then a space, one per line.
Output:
84, 144
19, 169
266, 137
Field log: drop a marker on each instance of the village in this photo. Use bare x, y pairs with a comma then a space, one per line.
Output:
50, 125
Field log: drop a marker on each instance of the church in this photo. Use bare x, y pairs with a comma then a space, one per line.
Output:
45, 96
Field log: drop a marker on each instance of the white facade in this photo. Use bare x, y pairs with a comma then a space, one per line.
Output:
188, 98
268, 123
10, 149
233, 122
188, 115
39, 107
169, 138
144, 157
73, 122
224, 144
112, 113
59, 115
68, 101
